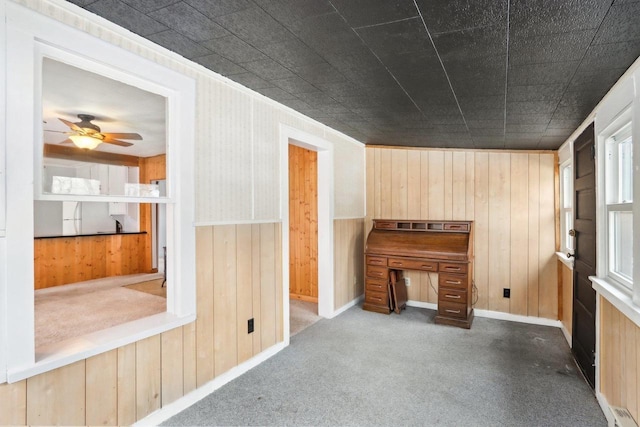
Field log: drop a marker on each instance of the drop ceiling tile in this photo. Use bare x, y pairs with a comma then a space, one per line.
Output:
523, 136
490, 85
595, 78
295, 85
180, 44
297, 105
611, 55
358, 56
371, 77
551, 142
292, 53
484, 69
234, 49
528, 119
277, 94
290, 11
320, 73
326, 33
340, 90
553, 16
396, 38
144, 6
443, 16
335, 108
219, 64
540, 74
534, 49
82, 3
472, 43
188, 21
544, 92
484, 114
126, 16
450, 129
251, 81
620, 24
521, 145
486, 132
254, 26
485, 124
532, 107
564, 133
495, 102
564, 123
359, 13
316, 99
443, 119
568, 112
268, 69
523, 128
215, 8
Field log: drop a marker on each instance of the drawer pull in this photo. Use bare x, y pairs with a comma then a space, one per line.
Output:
452, 268
375, 262
377, 274
396, 263
377, 299
453, 282
453, 296
453, 311
427, 267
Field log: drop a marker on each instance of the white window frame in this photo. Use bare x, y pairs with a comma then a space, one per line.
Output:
616, 123
25, 30
567, 241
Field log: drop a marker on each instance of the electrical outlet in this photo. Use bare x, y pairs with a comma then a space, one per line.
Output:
407, 281
250, 326
506, 293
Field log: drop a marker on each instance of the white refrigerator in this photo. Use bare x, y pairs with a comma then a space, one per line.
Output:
71, 218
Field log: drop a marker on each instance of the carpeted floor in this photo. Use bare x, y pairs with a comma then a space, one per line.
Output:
153, 287
70, 311
364, 368
302, 314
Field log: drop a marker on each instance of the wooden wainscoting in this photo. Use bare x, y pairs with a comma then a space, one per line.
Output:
239, 276
62, 260
619, 359
303, 224
509, 195
348, 259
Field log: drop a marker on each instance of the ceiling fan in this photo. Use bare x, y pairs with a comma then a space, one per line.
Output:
88, 135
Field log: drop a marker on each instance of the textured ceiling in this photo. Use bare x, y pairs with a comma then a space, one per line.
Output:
515, 74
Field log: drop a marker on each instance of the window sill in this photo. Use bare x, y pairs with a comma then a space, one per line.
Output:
64, 353
565, 260
618, 298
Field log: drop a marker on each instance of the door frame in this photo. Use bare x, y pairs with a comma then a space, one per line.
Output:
324, 148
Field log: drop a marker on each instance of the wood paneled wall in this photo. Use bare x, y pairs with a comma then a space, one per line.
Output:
348, 244
565, 281
510, 196
239, 276
303, 224
151, 169
64, 260
619, 359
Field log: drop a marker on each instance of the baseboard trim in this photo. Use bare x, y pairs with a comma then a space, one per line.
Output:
604, 405
566, 334
347, 306
173, 408
496, 315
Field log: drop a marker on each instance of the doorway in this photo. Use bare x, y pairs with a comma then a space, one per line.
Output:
303, 237
584, 232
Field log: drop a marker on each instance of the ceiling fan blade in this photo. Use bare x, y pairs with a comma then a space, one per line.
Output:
56, 131
134, 136
67, 141
113, 141
71, 125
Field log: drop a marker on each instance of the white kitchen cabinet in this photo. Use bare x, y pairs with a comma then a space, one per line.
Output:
117, 208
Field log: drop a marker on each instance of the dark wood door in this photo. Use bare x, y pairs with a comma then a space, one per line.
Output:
584, 225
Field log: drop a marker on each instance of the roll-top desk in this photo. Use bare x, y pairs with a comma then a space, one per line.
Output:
443, 247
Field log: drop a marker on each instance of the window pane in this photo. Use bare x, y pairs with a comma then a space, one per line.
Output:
567, 196
568, 218
626, 173
621, 243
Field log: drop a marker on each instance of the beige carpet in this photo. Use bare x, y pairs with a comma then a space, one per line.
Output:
70, 311
153, 287
302, 314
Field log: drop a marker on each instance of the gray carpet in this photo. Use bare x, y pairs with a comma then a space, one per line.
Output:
363, 368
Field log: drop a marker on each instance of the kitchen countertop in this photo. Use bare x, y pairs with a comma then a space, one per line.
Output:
100, 233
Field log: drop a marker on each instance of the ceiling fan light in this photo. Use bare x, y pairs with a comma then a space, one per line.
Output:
83, 141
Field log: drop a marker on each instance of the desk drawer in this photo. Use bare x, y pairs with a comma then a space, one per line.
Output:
452, 295
451, 267
456, 227
452, 281
376, 298
452, 309
376, 285
412, 264
377, 272
376, 260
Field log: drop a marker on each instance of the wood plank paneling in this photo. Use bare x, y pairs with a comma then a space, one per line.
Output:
57, 397
148, 376
102, 389
244, 293
189, 358
619, 359
172, 381
127, 385
268, 283
63, 260
303, 223
348, 260
204, 305
509, 196
13, 404
151, 169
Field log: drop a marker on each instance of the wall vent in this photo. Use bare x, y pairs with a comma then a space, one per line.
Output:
622, 417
